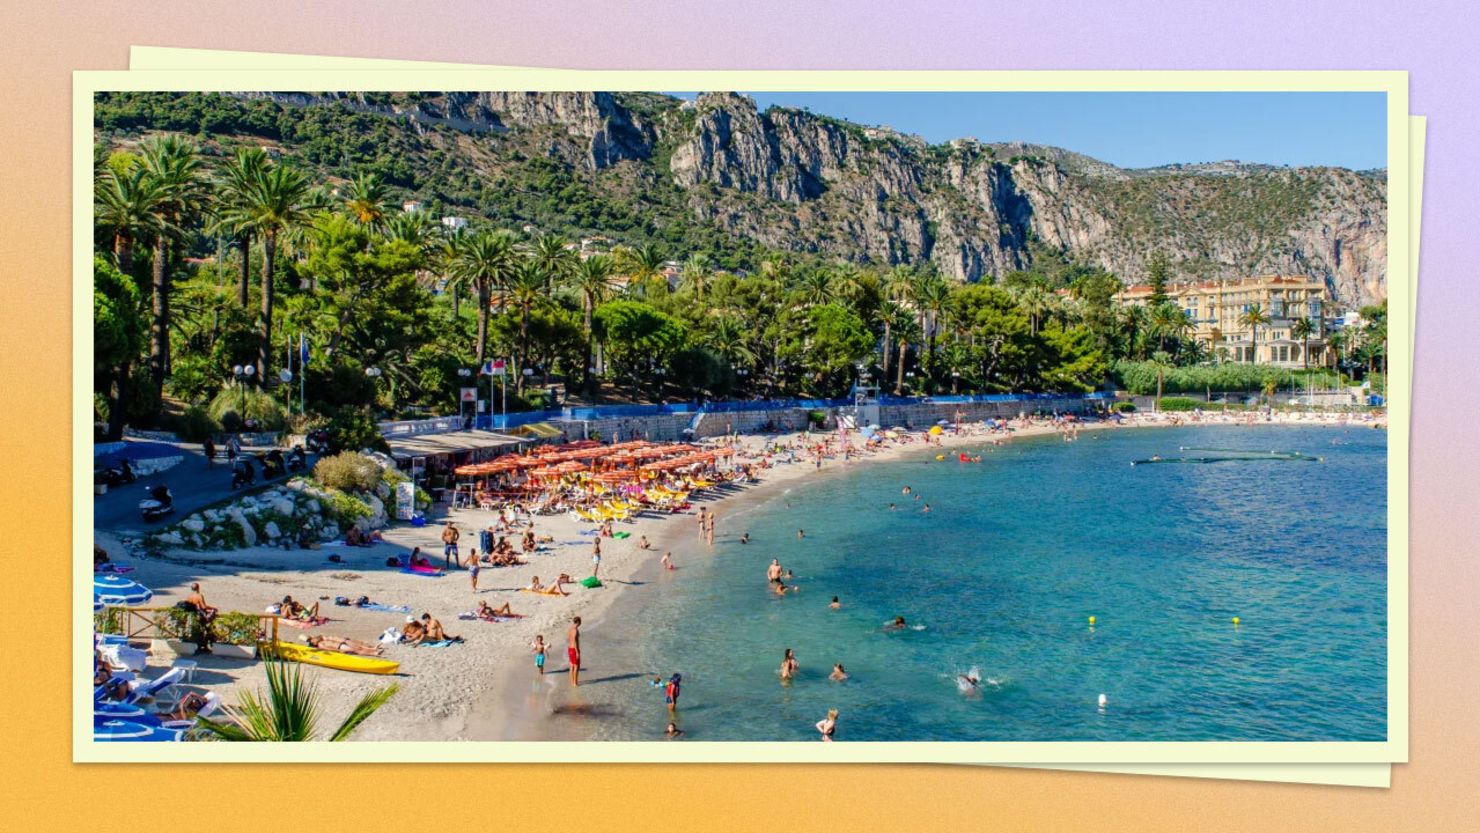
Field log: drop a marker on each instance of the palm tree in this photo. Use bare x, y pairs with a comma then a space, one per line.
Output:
592, 278
1254, 318
1162, 362
896, 288
1035, 302
365, 198
817, 288
124, 203
174, 165
290, 711
905, 330
1302, 329
524, 287
644, 267
556, 259
934, 299
484, 260
1169, 320
234, 182
728, 339
696, 271
275, 209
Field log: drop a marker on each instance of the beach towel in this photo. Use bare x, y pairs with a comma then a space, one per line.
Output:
590, 581
587, 532
387, 608
423, 573
570, 543
621, 535
439, 644
113, 567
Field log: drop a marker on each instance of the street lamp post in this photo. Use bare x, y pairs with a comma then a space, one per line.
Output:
374, 373
463, 373
242, 372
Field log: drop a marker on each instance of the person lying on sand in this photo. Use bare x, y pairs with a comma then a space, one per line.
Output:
434, 630
294, 610
412, 633
485, 611
343, 645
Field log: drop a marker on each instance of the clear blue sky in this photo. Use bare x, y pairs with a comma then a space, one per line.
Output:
1134, 130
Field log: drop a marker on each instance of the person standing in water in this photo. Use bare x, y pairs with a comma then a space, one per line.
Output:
573, 650
789, 665
539, 654
828, 726
773, 572
703, 522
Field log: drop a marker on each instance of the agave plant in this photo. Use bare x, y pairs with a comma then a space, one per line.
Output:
290, 711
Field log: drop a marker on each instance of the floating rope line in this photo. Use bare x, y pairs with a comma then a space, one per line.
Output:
1233, 455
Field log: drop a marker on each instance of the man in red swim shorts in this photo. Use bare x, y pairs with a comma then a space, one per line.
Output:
573, 650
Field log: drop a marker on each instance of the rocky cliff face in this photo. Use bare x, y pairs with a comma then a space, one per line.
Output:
972, 208
803, 182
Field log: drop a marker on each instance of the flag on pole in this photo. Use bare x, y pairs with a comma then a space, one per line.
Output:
493, 368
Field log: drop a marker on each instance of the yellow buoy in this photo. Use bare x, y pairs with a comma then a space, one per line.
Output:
1092, 620
1235, 620
940, 456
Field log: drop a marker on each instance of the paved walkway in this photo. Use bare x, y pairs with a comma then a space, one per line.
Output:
193, 483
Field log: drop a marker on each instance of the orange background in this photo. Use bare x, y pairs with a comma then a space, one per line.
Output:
41, 789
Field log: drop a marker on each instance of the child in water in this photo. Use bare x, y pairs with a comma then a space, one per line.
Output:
539, 654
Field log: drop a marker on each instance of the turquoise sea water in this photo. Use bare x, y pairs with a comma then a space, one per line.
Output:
1002, 575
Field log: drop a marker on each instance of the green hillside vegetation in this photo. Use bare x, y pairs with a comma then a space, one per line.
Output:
227, 227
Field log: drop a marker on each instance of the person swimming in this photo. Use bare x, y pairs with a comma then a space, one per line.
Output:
834, 604
898, 624
838, 674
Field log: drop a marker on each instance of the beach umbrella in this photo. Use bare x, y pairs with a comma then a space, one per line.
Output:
120, 730
112, 589
116, 711
132, 731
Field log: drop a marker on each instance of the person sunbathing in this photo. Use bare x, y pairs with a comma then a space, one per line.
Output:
294, 610
556, 588
535, 586
190, 706
434, 631
486, 611
343, 645
412, 633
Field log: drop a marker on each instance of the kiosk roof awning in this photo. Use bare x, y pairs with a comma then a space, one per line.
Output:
452, 442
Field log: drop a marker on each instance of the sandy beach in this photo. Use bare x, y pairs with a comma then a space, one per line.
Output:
486, 688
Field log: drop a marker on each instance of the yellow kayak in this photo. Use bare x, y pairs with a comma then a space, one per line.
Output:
334, 659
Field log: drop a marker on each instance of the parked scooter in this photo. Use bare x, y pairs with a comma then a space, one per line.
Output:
273, 465
297, 459
318, 441
119, 474
159, 503
242, 474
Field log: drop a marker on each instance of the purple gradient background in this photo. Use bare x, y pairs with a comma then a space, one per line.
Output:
44, 42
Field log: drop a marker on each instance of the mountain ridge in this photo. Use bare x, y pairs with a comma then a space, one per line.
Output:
696, 172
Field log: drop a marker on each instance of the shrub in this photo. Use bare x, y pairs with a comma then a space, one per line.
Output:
345, 509
817, 418
233, 405
1125, 407
351, 429
1178, 403
348, 471
195, 424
